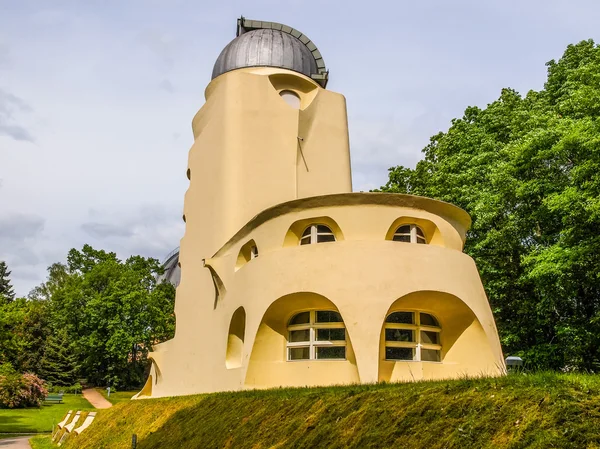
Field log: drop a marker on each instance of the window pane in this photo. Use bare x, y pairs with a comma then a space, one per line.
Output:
327, 316
428, 320
305, 240
306, 231
331, 334
322, 229
299, 353
401, 238
301, 335
432, 338
331, 352
290, 98
405, 229
321, 238
419, 232
399, 335
430, 355
400, 317
300, 318
421, 240
399, 353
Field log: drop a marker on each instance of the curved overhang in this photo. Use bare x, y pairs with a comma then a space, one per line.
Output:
453, 214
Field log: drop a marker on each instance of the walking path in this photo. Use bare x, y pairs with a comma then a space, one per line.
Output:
96, 399
15, 443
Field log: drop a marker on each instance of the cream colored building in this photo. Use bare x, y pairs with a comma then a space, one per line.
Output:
287, 277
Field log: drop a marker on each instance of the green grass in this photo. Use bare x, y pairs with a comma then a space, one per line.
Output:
35, 420
42, 442
117, 396
520, 411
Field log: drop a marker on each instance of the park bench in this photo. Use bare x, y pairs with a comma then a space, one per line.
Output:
54, 398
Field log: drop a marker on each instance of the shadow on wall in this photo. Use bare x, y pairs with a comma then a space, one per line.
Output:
269, 365
235, 339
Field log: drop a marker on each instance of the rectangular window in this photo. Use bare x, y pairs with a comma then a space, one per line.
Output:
402, 238
325, 316
321, 238
401, 318
301, 318
331, 334
299, 353
399, 335
331, 352
300, 335
430, 355
392, 353
430, 338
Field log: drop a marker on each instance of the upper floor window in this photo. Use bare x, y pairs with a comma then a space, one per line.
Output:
316, 334
410, 233
317, 233
412, 336
253, 252
291, 98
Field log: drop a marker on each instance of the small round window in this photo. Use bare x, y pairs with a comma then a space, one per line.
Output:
290, 98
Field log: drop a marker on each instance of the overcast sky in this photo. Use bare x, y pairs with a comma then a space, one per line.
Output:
97, 97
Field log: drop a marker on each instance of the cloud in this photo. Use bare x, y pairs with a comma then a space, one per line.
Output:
4, 55
9, 106
18, 234
104, 230
17, 228
161, 44
166, 85
150, 230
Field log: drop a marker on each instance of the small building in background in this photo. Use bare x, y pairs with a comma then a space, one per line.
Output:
172, 269
288, 278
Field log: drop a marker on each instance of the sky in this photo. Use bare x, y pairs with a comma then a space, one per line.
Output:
97, 98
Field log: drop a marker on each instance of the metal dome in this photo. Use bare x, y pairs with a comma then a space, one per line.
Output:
269, 44
172, 269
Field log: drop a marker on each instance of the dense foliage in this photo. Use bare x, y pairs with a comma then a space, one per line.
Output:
20, 390
95, 318
7, 293
527, 169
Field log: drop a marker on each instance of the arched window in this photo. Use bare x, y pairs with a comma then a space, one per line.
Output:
413, 336
291, 98
410, 233
248, 252
317, 233
316, 334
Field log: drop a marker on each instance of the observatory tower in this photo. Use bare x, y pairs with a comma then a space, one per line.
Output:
287, 277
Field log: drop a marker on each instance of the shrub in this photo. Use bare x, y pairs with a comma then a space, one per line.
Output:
20, 390
72, 389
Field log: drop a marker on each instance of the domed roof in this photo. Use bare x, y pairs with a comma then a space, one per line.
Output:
269, 44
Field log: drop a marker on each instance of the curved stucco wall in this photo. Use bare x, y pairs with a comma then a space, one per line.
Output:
262, 170
364, 277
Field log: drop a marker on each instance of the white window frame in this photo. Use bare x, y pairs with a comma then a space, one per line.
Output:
253, 252
313, 237
416, 345
414, 236
313, 343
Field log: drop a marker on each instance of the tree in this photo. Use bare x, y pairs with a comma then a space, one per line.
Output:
113, 311
527, 170
7, 293
59, 363
24, 327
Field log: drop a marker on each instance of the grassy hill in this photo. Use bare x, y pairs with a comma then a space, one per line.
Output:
519, 411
